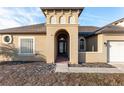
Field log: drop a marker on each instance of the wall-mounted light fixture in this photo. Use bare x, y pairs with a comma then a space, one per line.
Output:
105, 43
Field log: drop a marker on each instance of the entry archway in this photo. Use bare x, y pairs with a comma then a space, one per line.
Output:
62, 46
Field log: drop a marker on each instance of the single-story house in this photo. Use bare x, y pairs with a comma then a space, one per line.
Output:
61, 39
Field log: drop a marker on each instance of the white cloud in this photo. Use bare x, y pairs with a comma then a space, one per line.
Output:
8, 23
14, 17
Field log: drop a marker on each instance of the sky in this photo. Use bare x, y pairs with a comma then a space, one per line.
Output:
91, 16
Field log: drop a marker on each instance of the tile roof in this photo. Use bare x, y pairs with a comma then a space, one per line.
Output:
87, 28
111, 28
83, 30
40, 28
35, 29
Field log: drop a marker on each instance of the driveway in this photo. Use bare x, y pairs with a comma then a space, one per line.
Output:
119, 66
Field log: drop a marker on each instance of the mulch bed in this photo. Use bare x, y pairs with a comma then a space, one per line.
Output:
42, 74
103, 65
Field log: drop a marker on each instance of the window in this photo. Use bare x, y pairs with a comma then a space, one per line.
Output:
71, 20
62, 20
26, 45
82, 44
53, 20
7, 39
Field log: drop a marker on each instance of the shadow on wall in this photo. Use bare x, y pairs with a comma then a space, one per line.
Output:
8, 52
81, 57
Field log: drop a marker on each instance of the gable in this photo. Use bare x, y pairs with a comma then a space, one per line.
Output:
114, 27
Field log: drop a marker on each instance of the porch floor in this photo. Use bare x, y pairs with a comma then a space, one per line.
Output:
62, 59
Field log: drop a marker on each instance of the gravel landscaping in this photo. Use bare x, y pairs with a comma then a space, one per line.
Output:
42, 74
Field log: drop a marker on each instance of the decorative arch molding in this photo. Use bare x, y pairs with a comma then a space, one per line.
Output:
53, 20
61, 31
82, 44
71, 20
62, 20
62, 44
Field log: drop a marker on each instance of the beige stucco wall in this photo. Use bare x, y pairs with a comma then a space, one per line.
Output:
92, 57
40, 48
71, 29
44, 45
91, 43
101, 54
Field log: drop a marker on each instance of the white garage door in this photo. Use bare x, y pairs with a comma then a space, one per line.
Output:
116, 51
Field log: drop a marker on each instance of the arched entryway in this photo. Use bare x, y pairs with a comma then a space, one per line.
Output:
62, 46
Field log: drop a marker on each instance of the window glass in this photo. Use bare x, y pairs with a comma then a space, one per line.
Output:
82, 44
26, 46
7, 39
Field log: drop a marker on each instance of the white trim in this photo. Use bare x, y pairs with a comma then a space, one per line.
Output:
26, 37
3, 41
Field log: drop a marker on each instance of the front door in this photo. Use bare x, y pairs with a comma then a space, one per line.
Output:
62, 47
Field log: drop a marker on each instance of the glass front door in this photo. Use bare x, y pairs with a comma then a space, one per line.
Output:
62, 47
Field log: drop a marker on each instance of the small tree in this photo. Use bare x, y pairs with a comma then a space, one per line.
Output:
8, 51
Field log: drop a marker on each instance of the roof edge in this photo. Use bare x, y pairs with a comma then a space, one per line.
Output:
57, 8
110, 24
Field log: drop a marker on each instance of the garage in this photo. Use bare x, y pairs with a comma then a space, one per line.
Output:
116, 51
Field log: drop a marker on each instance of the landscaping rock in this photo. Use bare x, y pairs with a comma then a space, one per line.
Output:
42, 74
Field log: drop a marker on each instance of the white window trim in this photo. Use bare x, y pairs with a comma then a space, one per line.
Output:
10, 36
19, 44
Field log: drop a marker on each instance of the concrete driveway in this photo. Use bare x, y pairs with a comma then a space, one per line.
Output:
60, 67
119, 66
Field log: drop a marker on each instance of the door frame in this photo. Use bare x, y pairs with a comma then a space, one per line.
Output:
64, 47
62, 33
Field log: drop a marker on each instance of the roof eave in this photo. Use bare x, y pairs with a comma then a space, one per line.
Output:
79, 8
22, 32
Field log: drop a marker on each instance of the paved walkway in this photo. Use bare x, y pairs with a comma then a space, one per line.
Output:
63, 67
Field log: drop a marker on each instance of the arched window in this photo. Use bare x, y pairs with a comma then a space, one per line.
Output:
62, 20
71, 20
53, 20
82, 44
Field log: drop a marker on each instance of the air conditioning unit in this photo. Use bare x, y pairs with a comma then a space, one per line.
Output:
7, 39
